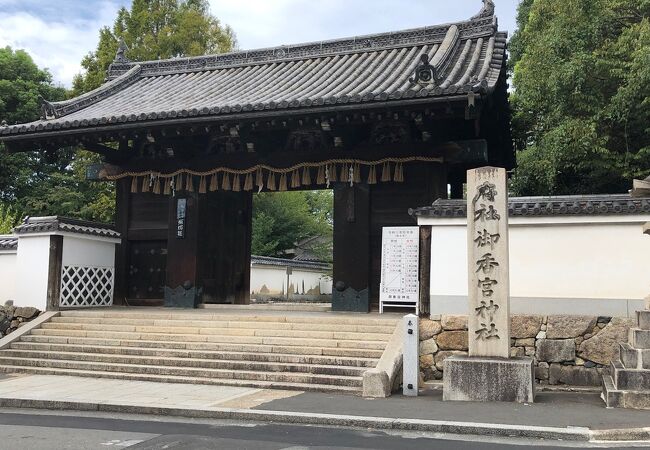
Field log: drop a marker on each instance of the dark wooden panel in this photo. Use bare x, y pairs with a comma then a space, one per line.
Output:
122, 199
148, 211
147, 265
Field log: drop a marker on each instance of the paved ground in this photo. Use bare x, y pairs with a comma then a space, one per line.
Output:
551, 409
46, 431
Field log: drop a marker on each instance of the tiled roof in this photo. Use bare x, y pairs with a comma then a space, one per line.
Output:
571, 205
56, 223
8, 242
296, 264
431, 62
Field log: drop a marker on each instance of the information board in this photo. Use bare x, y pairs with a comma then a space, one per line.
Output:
399, 285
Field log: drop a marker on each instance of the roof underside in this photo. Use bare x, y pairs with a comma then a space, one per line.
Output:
464, 57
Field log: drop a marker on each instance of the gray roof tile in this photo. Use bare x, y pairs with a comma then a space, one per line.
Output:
467, 56
57, 223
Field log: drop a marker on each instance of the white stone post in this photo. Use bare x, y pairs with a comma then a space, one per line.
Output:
487, 242
411, 361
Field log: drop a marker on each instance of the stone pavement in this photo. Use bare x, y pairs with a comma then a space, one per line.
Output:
579, 416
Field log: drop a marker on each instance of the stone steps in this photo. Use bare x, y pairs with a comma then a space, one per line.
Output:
639, 338
299, 326
634, 358
620, 398
210, 346
643, 319
200, 363
175, 379
318, 352
336, 335
200, 354
183, 371
629, 379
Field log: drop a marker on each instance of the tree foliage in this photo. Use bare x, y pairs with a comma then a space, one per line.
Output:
282, 219
156, 29
581, 101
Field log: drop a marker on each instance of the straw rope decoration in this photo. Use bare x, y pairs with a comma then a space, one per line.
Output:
331, 171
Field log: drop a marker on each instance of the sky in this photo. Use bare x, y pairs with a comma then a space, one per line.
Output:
58, 34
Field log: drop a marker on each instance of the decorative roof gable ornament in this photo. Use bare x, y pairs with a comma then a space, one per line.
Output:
48, 111
486, 11
119, 55
425, 73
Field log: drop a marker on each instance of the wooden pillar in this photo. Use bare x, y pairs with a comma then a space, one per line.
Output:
182, 285
122, 208
425, 271
54, 272
351, 248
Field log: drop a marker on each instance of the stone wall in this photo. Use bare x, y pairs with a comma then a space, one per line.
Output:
570, 350
13, 317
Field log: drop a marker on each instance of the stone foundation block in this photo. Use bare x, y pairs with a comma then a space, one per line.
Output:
483, 379
643, 319
556, 350
639, 338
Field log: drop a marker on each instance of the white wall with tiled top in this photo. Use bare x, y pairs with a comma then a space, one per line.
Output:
596, 265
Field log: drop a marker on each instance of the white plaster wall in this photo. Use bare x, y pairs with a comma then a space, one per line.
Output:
87, 251
275, 279
558, 266
7, 276
32, 260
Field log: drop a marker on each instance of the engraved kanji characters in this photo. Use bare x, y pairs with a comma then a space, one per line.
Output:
486, 238
487, 332
486, 264
486, 213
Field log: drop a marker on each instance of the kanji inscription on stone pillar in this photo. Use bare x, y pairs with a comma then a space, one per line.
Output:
487, 243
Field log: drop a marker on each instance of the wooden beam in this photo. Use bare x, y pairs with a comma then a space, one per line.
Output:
425, 271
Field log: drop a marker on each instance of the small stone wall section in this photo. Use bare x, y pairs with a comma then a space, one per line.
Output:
567, 350
13, 317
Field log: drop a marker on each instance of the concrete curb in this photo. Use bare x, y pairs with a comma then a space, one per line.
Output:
380, 423
6, 341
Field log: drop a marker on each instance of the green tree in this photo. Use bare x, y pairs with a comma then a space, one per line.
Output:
284, 218
581, 97
9, 218
155, 29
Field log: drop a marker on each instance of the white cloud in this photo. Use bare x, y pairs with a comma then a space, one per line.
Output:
59, 34
58, 45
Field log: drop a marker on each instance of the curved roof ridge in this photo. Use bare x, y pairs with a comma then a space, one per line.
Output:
479, 25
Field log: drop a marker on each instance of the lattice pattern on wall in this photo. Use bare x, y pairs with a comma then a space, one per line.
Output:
86, 286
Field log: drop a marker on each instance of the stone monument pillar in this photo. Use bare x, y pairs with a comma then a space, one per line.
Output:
488, 373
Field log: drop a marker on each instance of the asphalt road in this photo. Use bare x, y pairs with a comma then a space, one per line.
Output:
52, 431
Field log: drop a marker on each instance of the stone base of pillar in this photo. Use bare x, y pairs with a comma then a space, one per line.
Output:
484, 379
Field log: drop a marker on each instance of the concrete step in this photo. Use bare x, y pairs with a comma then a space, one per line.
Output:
208, 346
201, 315
162, 336
361, 362
629, 379
349, 328
619, 398
384, 337
643, 319
177, 379
639, 338
201, 363
633, 358
282, 377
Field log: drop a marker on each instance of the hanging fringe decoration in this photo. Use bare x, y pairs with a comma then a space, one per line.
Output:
236, 183
225, 185
156, 186
345, 174
214, 183
202, 186
351, 175
259, 179
283, 183
189, 183
248, 182
385, 172
295, 179
146, 183
172, 184
168, 188
134, 185
332, 169
270, 182
357, 173
320, 177
306, 176
372, 175
399, 172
